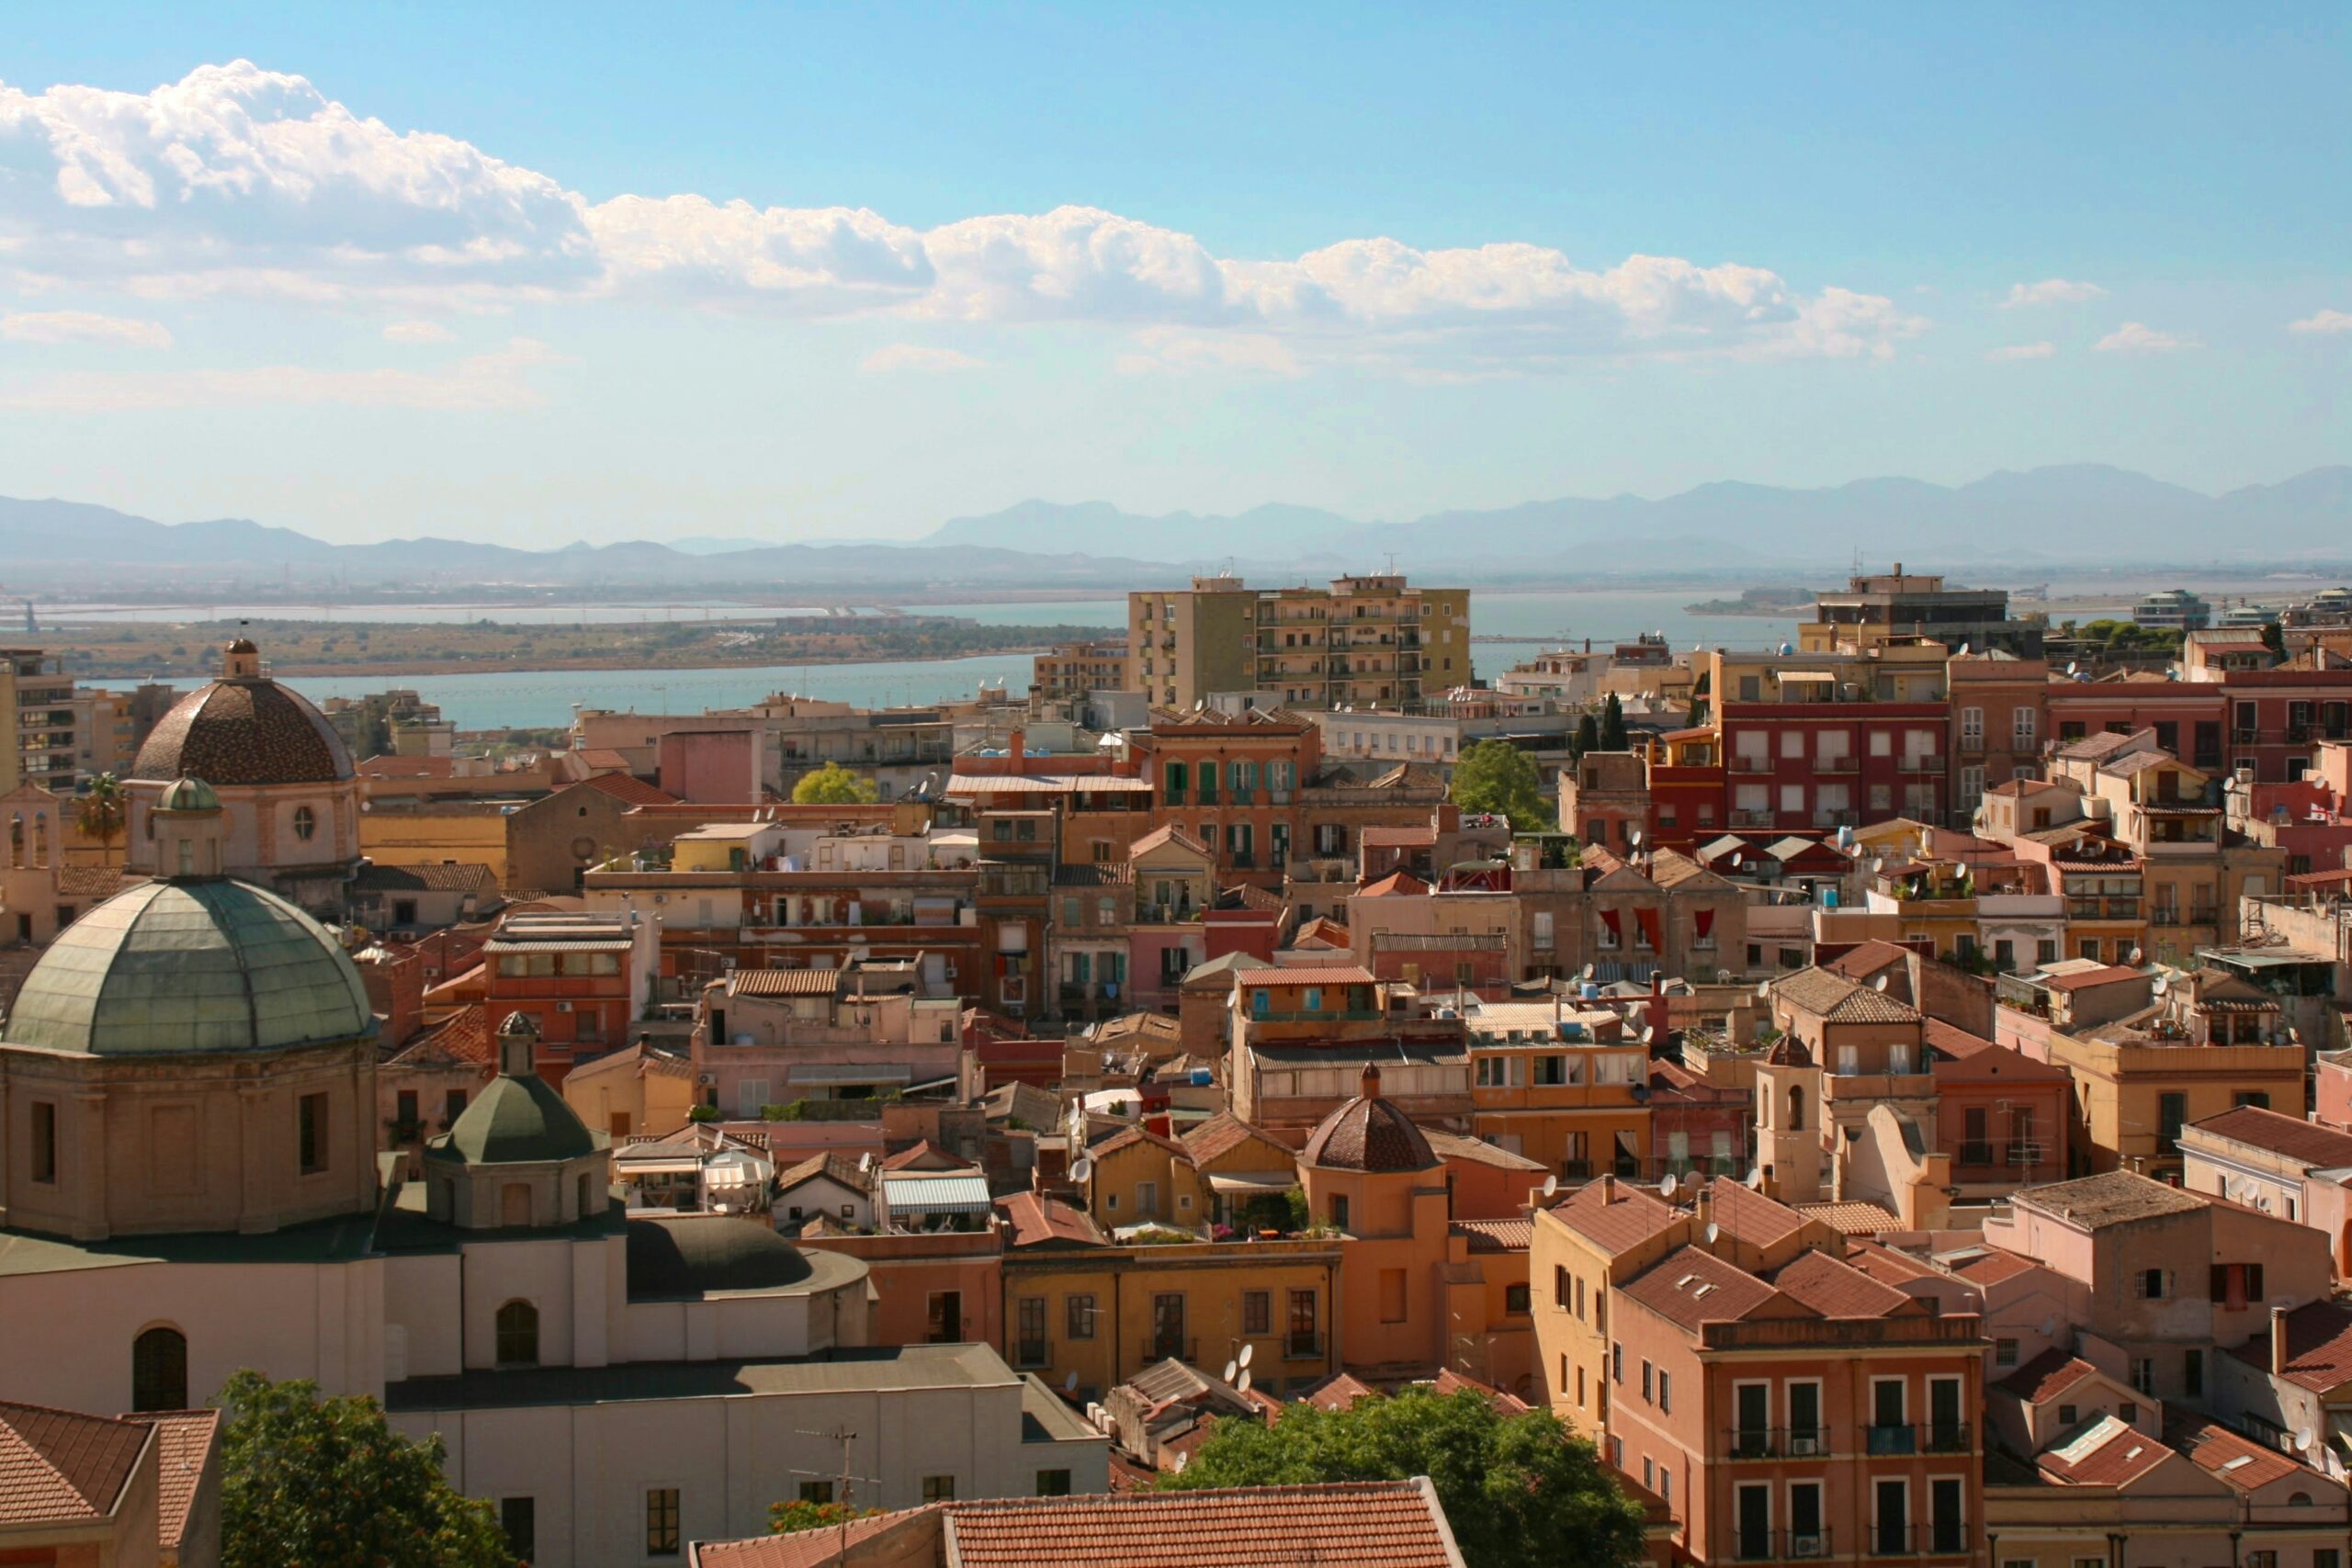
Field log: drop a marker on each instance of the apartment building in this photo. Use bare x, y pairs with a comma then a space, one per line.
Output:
2280, 1164
37, 697
583, 979
1363, 641
1829, 739
1892, 606
1074, 668
1999, 721
1565, 1087
864, 1031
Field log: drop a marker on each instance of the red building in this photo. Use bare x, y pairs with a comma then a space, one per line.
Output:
1833, 764
2275, 716
582, 978
2002, 1116
2186, 714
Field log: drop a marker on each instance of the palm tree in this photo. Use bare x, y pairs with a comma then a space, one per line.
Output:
99, 813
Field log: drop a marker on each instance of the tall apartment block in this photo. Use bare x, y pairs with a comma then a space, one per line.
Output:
1364, 641
38, 701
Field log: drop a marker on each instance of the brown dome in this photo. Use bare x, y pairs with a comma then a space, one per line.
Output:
250, 731
1369, 1134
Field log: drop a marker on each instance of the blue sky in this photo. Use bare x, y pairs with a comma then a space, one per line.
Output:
422, 270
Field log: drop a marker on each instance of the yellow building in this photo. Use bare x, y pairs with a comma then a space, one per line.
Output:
439, 834
1136, 1177
1599, 1235
1366, 641
1566, 1089
635, 1092
1103, 1313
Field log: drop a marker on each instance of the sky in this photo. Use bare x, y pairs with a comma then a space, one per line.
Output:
543, 274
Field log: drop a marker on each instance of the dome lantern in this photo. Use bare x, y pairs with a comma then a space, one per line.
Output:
188, 831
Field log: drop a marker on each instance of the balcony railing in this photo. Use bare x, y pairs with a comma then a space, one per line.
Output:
1303, 1346
1751, 764
1923, 764
1944, 1537
1934, 1438
1780, 1546
1778, 1442
1845, 764
1161, 1347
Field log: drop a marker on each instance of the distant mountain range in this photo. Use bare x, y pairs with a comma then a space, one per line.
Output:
2081, 513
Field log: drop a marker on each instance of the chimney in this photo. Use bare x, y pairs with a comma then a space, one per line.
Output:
1608, 1187
1703, 1210
1019, 751
2278, 1342
1371, 1080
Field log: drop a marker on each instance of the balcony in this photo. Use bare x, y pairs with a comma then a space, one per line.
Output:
1935, 1438
1780, 1546
1923, 764
1751, 819
1778, 1442
1945, 1537
1845, 764
1751, 764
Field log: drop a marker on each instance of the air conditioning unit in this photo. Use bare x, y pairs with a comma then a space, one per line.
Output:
707, 1079
1806, 1447
563, 1006
1804, 1545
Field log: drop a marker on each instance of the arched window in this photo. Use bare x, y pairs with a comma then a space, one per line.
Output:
306, 823
159, 1370
518, 1335
1796, 1108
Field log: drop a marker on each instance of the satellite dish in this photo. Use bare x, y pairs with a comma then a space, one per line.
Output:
1551, 1185
1879, 984
2049, 1326
1635, 838
1763, 990
1665, 1185
1647, 1034
1714, 1231
2306, 1439
2134, 958
1231, 1368
2164, 984
1963, 650
1083, 1170
1069, 1383
1587, 971
1738, 859
1248, 1353
2072, 667
1755, 1179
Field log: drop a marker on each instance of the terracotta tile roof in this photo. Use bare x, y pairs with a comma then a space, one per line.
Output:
1338, 1392
2107, 974
185, 1441
2242, 1462
822, 1549
2108, 1454
1478, 1151
1867, 959
1972, 1056
2046, 1377
1322, 975
1750, 1216
1835, 1289
243, 732
95, 881
1040, 1221
1129, 1137
1496, 1235
2319, 1346
60, 1465
2322, 1148
1614, 1216
1689, 1287
1171, 834
2112, 1197
604, 757
1996, 1267
784, 982
1889, 1264
1095, 874
1372, 1524
463, 1037
628, 789
1324, 929
1672, 868
1839, 999
1451, 1382
924, 1155
427, 878
1397, 883
1221, 1134
1852, 1218
840, 1167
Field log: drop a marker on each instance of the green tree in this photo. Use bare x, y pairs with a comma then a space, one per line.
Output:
1612, 725
2274, 638
1588, 736
99, 813
327, 1484
791, 1518
1495, 775
1520, 1491
833, 784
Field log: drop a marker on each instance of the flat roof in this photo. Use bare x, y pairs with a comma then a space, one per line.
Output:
900, 1366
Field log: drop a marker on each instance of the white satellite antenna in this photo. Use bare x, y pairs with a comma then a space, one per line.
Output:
1069, 1383
2306, 1439
2135, 956
1230, 1369
1249, 1354
1963, 650
1647, 1034
1755, 1179
2164, 984
1635, 838
1714, 1231
1763, 990
1083, 1170
1551, 1185
1589, 971
2072, 667
1243, 1386
1738, 859
1880, 984
1666, 1186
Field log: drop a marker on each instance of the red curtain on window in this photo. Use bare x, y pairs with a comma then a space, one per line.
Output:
1650, 925
1616, 932
1703, 922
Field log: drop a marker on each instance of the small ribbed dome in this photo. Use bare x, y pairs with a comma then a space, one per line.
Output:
190, 968
517, 1120
1369, 1134
189, 795
245, 730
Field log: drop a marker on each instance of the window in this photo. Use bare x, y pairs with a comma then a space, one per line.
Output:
2065, 1415
1752, 1521
306, 823
938, 1489
44, 1140
661, 1522
1257, 1312
1515, 1299
2149, 1285
2192, 1372
1340, 1210
815, 1491
159, 1370
518, 1335
1029, 1343
2004, 1352
1945, 1526
2172, 1111
1804, 1419
1616, 1362
1303, 1338
1542, 935
1805, 1535
311, 1134
518, 1519
1562, 1292
1078, 1317
1646, 1380
1053, 1483
1665, 1389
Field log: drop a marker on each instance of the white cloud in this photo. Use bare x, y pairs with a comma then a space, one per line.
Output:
916, 357
84, 326
416, 331
236, 179
2051, 291
2325, 321
2022, 351
2138, 337
482, 383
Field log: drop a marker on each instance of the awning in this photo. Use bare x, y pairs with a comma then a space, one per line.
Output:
936, 1194
851, 1074
658, 1166
1250, 1183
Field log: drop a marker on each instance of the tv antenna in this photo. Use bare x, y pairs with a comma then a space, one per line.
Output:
843, 1481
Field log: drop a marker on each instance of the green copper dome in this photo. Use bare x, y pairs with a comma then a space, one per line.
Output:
189, 795
515, 1120
190, 968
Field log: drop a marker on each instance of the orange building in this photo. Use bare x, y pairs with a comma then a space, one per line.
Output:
1370, 1174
